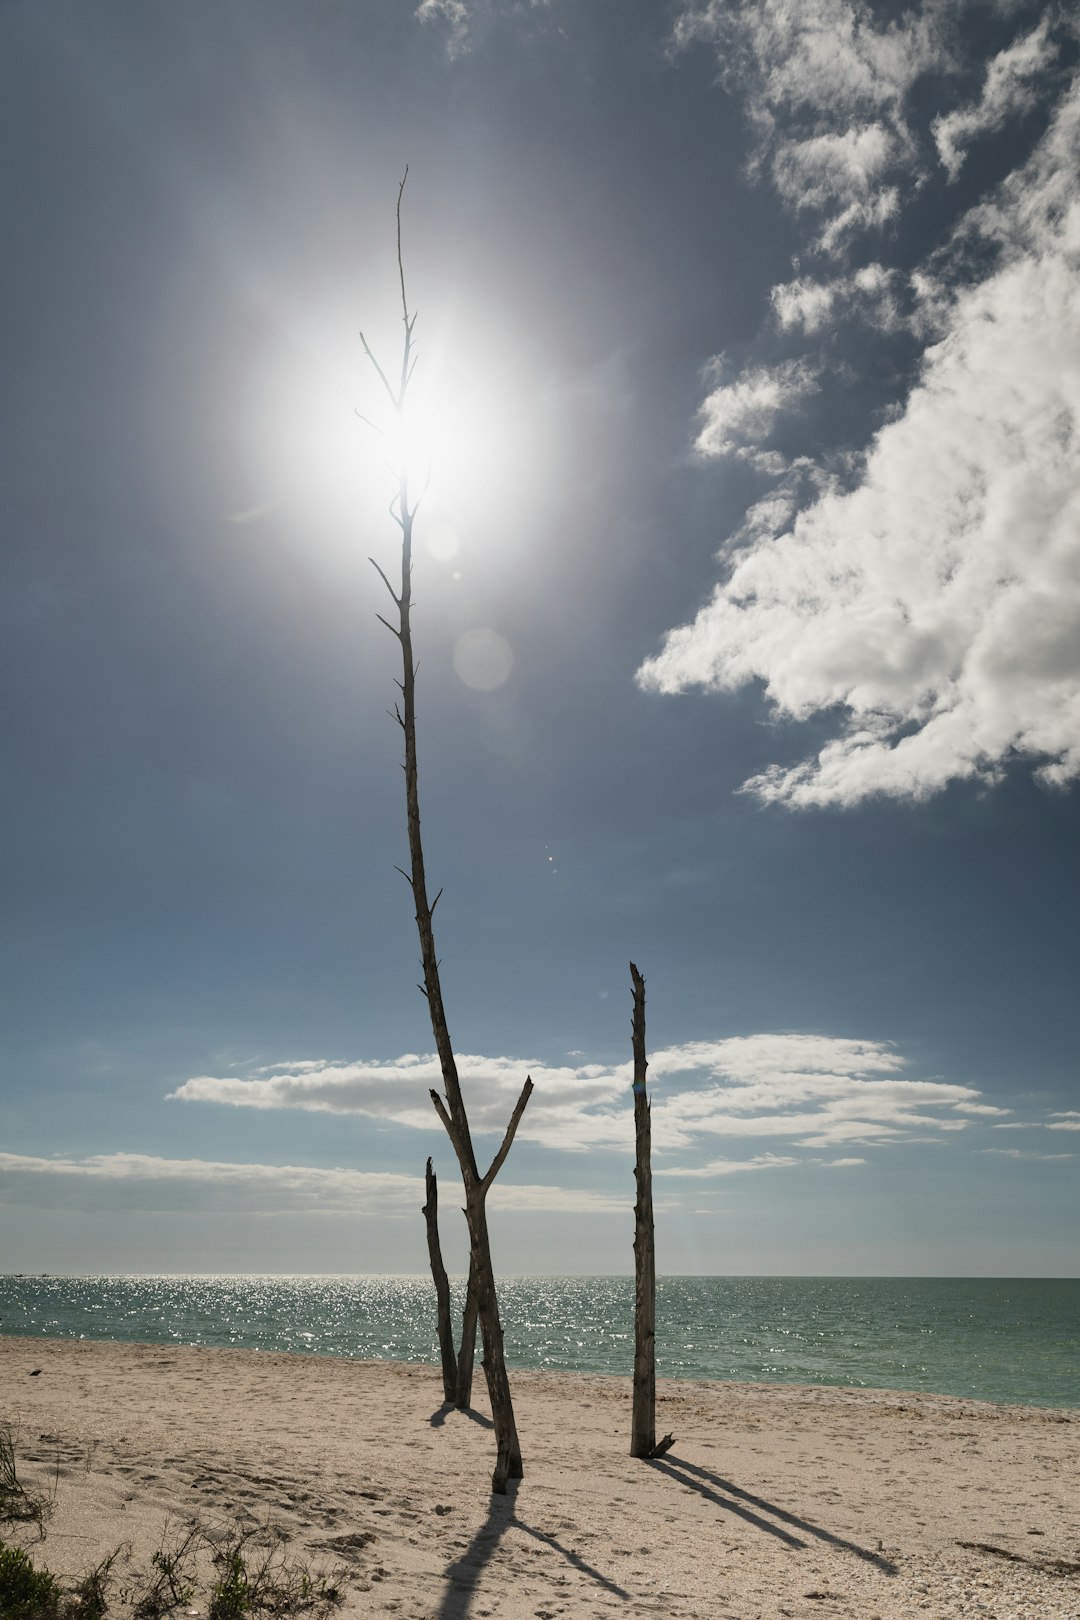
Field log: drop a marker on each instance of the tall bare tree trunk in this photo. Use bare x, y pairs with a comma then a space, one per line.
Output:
442, 1286
450, 1105
643, 1441
643, 1422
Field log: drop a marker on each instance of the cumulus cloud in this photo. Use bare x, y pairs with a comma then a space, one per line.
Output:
844, 167
738, 416
809, 306
821, 56
935, 604
813, 1090
142, 1181
1008, 89
824, 85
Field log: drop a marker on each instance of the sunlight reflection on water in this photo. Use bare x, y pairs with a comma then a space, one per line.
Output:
980, 1338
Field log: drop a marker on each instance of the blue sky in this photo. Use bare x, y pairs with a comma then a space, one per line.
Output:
748, 617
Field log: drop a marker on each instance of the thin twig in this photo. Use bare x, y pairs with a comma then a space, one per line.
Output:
393, 596
369, 423
400, 260
381, 373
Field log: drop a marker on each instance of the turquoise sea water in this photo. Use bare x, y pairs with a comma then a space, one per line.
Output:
983, 1338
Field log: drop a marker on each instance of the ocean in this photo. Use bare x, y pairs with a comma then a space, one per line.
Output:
981, 1338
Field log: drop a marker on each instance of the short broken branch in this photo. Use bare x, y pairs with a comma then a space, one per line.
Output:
440, 1109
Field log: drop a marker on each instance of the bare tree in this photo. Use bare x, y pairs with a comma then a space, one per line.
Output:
449, 1105
442, 1285
457, 1367
643, 1442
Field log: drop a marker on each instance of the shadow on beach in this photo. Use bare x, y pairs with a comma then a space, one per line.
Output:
711, 1485
441, 1413
463, 1574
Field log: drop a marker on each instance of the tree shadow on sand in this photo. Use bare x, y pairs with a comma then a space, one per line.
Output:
441, 1413
711, 1485
463, 1574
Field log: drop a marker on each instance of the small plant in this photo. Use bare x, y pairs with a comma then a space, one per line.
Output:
16, 1501
88, 1600
256, 1578
173, 1581
27, 1593
232, 1595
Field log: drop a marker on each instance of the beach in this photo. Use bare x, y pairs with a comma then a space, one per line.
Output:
776, 1500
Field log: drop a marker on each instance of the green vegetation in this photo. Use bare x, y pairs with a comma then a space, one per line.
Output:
89, 1600
27, 1593
255, 1581
174, 1577
256, 1578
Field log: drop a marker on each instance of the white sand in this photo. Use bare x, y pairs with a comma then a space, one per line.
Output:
776, 1500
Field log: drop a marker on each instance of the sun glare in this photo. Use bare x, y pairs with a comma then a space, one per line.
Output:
324, 445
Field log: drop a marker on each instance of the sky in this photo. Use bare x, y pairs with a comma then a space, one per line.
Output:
747, 616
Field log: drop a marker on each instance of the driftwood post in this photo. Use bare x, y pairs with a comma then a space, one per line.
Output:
449, 1105
442, 1285
643, 1441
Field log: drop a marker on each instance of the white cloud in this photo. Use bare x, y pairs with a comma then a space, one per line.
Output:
827, 56
736, 416
804, 304
729, 1167
148, 1182
142, 1181
824, 84
571, 1107
760, 1161
858, 215
824, 169
814, 1090
937, 602
544, 1200
808, 306
454, 15
1021, 1153
1063, 1120
1008, 89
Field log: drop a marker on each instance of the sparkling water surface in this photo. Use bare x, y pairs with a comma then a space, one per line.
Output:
984, 1338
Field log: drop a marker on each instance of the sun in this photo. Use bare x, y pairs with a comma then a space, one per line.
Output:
322, 445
